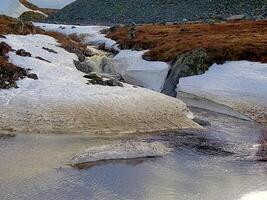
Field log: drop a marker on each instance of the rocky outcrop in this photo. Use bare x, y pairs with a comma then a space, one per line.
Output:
194, 62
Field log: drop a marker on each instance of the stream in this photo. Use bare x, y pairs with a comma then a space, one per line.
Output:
216, 163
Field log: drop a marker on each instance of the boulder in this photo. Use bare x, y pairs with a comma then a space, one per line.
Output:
22, 52
194, 62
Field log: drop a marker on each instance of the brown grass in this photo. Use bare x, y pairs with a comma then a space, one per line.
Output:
227, 41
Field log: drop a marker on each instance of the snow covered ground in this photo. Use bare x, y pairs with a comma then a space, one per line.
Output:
60, 101
13, 8
129, 64
121, 150
242, 85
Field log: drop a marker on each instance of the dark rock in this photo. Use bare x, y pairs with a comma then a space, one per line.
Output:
22, 52
4, 136
40, 58
98, 79
194, 62
113, 82
32, 76
201, 122
83, 67
49, 50
2, 36
87, 53
73, 27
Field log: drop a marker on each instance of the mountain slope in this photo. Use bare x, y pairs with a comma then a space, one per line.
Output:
144, 11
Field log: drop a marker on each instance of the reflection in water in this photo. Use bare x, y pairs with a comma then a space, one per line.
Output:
214, 164
130, 162
262, 147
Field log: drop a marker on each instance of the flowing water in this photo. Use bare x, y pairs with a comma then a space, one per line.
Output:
219, 162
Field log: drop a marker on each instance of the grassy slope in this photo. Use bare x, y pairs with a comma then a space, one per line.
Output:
237, 40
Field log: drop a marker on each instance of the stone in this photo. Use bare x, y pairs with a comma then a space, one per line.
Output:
32, 76
194, 62
49, 50
22, 52
83, 67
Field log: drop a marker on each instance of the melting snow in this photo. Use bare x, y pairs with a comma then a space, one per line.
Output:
60, 101
121, 150
241, 85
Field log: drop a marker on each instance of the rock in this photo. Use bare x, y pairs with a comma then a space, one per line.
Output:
194, 62
98, 79
4, 136
202, 122
32, 76
22, 52
113, 82
49, 50
40, 58
93, 75
83, 67
73, 27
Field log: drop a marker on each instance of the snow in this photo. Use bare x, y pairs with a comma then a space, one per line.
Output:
121, 150
12, 8
91, 34
130, 64
255, 196
135, 70
242, 85
60, 101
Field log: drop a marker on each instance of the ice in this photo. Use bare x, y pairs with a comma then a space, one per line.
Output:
121, 150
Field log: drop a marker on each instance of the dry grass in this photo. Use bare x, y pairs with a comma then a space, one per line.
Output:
226, 41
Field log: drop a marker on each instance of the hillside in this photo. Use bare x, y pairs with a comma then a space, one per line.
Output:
139, 11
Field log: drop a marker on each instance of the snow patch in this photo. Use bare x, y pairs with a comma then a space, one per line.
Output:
241, 85
121, 150
92, 34
255, 196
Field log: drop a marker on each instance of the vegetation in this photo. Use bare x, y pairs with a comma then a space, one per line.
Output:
235, 40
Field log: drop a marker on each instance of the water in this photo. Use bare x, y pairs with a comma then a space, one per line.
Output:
217, 163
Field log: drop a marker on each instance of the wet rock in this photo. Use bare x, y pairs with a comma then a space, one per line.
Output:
4, 136
49, 50
2, 36
73, 27
98, 79
23, 53
113, 82
194, 62
202, 122
83, 67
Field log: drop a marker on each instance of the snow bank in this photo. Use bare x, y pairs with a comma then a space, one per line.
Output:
60, 101
121, 150
241, 85
135, 70
91, 34
12, 8
255, 196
